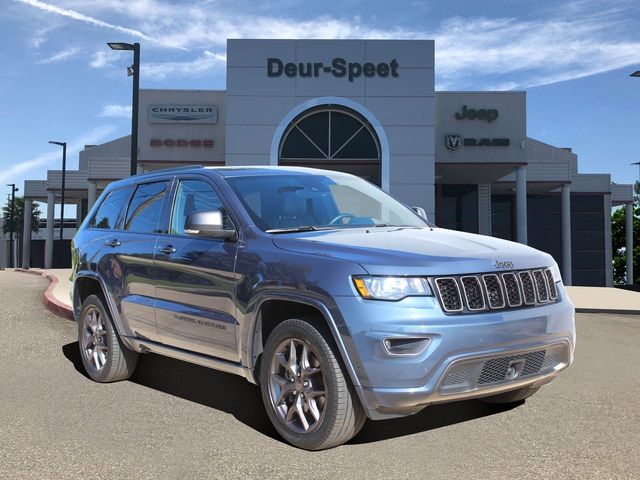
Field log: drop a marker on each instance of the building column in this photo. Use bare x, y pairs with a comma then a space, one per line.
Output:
48, 249
92, 195
521, 204
629, 245
26, 233
565, 208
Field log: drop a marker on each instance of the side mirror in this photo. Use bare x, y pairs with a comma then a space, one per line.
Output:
420, 211
208, 224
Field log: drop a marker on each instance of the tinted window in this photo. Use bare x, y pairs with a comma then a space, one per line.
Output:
332, 201
107, 214
145, 208
194, 196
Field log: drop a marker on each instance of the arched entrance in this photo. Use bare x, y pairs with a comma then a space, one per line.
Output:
333, 137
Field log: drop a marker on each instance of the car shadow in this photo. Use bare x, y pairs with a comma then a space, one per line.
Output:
234, 395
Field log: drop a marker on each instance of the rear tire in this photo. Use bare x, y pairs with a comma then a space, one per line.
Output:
306, 392
511, 397
104, 355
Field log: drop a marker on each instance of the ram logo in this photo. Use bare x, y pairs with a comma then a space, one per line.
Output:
453, 142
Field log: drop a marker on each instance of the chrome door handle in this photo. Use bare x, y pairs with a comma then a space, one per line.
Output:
167, 250
112, 243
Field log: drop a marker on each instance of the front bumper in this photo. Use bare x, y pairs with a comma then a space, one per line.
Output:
464, 351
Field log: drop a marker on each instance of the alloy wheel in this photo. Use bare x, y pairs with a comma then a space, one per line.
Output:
94, 342
297, 386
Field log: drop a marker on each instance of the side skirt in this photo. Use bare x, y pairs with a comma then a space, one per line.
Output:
147, 346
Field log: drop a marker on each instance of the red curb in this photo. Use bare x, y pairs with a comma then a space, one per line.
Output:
49, 301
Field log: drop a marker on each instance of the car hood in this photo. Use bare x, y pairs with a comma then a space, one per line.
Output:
420, 251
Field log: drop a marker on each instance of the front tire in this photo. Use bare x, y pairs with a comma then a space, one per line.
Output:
104, 356
307, 395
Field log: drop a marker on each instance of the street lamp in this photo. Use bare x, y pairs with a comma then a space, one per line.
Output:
13, 221
64, 171
132, 71
635, 74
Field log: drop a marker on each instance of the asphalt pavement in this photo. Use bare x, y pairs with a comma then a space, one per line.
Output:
176, 420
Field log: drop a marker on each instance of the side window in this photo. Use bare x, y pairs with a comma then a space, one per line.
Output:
145, 207
194, 196
106, 216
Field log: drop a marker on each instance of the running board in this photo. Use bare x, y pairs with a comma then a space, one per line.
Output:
145, 346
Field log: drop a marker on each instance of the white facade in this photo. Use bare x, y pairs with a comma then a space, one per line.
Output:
463, 156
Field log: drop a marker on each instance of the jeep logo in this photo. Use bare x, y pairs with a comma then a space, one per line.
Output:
488, 115
504, 264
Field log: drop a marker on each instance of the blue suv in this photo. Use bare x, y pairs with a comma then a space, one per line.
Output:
337, 300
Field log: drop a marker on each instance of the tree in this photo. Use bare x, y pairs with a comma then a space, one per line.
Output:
618, 241
17, 222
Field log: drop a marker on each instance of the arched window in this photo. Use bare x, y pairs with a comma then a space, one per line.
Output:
334, 138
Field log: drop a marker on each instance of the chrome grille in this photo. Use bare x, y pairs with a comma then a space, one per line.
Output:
495, 370
472, 291
541, 286
449, 294
490, 291
527, 287
512, 289
553, 292
494, 290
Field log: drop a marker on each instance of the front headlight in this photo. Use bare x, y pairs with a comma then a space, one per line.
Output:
555, 272
391, 288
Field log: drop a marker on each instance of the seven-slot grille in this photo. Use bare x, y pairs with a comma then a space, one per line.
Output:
491, 291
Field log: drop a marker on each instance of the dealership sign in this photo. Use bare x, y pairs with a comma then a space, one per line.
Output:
182, 114
338, 67
486, 114
454, 142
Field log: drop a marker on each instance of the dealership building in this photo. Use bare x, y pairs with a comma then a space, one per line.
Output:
369, 107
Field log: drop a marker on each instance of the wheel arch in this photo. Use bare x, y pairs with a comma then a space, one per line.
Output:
298, 305
90, 283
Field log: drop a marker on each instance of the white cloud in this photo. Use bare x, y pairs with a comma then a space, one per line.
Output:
101, 59
45, 160
75, 15
204, 64
578, 38
118, 111
60, 56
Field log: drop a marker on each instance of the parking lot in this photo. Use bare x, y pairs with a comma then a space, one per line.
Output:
177, 420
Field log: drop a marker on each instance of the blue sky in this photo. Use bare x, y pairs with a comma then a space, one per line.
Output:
59, 81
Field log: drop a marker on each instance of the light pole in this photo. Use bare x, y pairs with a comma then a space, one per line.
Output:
13, 221
134, 71
64, 171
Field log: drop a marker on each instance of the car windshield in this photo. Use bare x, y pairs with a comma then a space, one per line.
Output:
294, 202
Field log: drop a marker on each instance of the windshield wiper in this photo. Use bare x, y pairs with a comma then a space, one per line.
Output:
305, 228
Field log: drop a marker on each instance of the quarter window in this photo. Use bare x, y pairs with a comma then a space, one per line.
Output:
195, 196
106, 216
145, 208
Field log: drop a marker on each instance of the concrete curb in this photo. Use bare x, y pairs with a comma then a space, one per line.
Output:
49, 301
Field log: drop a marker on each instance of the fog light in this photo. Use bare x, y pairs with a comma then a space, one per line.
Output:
406, 346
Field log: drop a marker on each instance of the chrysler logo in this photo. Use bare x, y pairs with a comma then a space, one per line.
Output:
453, 142
182, 114
504, 264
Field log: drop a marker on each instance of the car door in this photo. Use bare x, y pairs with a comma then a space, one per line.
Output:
126, 261
195, 286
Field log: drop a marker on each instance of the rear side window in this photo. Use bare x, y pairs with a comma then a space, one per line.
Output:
106, 216
145, 208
